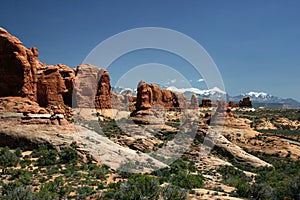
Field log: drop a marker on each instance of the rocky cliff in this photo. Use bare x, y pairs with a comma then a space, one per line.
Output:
51, 86
18, 68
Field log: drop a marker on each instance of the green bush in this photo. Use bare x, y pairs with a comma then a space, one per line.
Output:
282, 181
54, 189
7, 158
136, 187
68, 156
46, 156
98, 172
182, 173
237, 179
18, 192
174, 192
186, 180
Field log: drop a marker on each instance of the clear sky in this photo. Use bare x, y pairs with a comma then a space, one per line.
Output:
255, 44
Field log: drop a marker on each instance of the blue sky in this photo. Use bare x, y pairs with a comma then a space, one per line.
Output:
255, 44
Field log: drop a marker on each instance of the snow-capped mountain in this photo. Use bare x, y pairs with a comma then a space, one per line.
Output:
259, 99
121, 90
263, 99
207, 92
213, 93
258, 94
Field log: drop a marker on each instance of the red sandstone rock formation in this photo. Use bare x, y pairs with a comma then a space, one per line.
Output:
20, 105
181, 100
221, 106
206, 103
150, 94
103, 95
23, 75
124, 102
18, 67
245, 103
194, 102
231, 104
68, 75
117, 101
92, 87
50, 87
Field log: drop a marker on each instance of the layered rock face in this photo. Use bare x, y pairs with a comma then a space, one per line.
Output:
245, 103
68, 76
55, 85
92, 88
23, 75
18, 67
150, 94
103, 95
50, 87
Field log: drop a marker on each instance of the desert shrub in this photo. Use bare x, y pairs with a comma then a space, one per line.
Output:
174, 192
174, 123
84, 192
281, 132
68, 156
98, 172
13, 192
18, 152
46, 156
136, 187
7, 158
25, 162
294, 186
182, 173
186, 180
126, 169
236, 178
282, 181
54, 189
26, 177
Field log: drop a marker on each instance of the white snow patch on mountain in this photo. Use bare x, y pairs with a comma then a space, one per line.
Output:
197, 91
257, 94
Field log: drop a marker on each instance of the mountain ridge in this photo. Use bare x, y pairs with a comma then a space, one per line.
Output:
259, 98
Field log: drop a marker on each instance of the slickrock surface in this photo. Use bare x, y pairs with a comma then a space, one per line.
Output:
14, 134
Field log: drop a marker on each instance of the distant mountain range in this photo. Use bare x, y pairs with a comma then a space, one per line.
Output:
259, 99
262, 99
